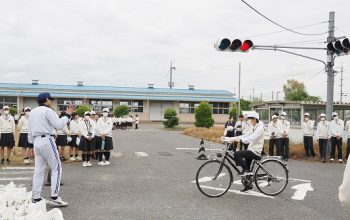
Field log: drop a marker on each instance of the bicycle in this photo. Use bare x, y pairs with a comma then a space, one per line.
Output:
214, 177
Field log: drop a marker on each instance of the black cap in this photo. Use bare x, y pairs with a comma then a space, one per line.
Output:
43, 96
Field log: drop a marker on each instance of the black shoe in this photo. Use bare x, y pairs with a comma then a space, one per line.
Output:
2, 161
246, 188
8, 161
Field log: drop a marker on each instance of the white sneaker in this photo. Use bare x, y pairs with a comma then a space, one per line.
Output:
101, 163
78, 158
332, 160
26, 161
340, 160
30, 161
85, 164
107, 162
72, 159
89, 164
57, 202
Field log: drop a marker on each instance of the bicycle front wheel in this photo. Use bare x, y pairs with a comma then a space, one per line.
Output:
271, 178
214, 178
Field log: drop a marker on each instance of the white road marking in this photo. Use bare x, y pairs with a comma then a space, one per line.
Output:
14, 178
16, 173
18, 168
249, 193
117, 154
300, 180
301, 190
208, 179
196, 149
141, 154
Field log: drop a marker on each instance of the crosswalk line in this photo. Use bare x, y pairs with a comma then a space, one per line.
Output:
117, 154
15, 178
18, 168
141, 154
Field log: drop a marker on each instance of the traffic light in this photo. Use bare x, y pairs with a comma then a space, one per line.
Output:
339, 48
234, 46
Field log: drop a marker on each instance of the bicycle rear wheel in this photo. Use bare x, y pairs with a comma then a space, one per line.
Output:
271, 178
214, 178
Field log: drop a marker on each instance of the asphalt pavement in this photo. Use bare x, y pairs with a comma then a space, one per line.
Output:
151, 174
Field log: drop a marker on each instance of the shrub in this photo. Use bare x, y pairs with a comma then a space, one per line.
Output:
13, 111
82, 109
171, 118
121, 110
203, 115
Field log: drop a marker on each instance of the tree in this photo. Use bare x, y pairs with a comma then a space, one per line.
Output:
121, 110
82, 109
171, 118
203, 115
13, 111
296, 91
246, 105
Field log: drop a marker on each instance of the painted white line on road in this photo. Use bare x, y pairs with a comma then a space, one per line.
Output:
16, 172
301, 190
300, 180
18, 168
117, 154
15, 178
249, 193
141, 154
196, 149
208, 179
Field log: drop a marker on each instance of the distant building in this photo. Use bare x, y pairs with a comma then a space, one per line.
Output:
149, 102
295, 110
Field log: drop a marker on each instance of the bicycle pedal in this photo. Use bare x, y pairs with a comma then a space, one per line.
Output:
219, 155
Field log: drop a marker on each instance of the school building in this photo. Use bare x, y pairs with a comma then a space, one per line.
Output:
148, 102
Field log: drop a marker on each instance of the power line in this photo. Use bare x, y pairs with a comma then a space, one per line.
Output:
342, 31
318, 41
288, 29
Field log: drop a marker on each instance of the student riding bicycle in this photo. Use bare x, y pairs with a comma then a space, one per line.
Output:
255, 138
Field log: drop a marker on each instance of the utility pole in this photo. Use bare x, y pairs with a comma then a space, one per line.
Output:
330, 73
341, 83
171, 74
253, 93
261, 96
239, 91
272, 96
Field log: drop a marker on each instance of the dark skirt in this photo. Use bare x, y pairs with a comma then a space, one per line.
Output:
23, 141
73, 143
108, 143
86, 145
61, 140
7, 140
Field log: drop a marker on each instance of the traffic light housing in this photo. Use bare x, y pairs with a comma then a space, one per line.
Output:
339, 48
234, 46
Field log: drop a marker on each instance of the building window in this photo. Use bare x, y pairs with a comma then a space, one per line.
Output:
264, 115
293, 116
134, 106
98, 104
9, 101
63, 103
188, 107
220, 107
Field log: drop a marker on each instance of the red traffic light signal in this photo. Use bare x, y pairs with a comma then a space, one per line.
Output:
234, 46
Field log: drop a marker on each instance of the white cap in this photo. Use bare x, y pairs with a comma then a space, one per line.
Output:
274, 116
93, 113
27, 108
323, 115
307, 114
283, 114
253, 115
334, 114
105, 110
87, 112
6, 107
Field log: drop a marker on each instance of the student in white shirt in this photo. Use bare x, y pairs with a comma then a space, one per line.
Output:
274, 129
239, 130
322, 136
94, 119
23, 137
347, 128
105, 126
245, 128
255, 140
61, 138
285, 128
336, 130
87, 134
307, 127
74, 128
7, 139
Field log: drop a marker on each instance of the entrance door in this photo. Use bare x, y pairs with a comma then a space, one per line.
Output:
157, 109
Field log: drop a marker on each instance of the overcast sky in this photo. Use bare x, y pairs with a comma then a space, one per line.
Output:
131, 43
